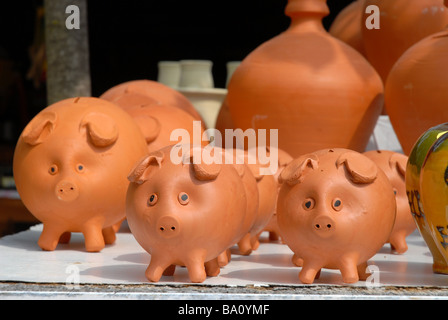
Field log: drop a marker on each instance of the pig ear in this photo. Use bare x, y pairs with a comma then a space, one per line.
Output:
141, 171
204, 172
296, 170
101, 129
398, 161
360, 169
149, 126
39, 128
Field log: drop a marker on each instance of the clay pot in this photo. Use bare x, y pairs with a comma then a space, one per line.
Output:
185, 213
416, 92
402, 24
426, 186
347, 26
70, 167
169, 73
335, 210
316, 90
136, 92
393, 165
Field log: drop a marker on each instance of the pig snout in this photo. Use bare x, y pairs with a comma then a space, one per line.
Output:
168, 227
323, 225
66, 191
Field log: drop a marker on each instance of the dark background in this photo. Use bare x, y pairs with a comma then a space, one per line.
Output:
128, 38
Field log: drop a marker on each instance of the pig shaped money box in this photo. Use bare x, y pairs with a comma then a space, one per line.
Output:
70, 167
284, 159
137, 92
267, 198
165, 125
394, 166
335, 210
185, 212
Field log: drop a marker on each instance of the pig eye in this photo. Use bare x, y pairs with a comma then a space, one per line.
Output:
152, 200
79, 168
337, 204
53, 169
308, 204
183, 198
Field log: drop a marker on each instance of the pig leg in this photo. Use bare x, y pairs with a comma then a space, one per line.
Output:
349, 270
170, 270
49, 237
398, 242
255, 242
244, 245
296, 260
196, 267
109, 235
212, 268
65, 237
309, 272
94, 240
157, 267
362, 271
224, 258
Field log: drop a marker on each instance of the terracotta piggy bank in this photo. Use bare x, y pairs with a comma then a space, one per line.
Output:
185, 213
394, 166
335, 210
158, 124
137, 92
70, 167
284, 159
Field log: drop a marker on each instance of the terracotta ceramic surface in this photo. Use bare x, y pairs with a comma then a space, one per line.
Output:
224, 118
267, 194
165, 125
137, 91
402, 24
416, 94
347, 25
283, 160
394, 166
185, 214
426, 186
335, 210
316, 90
70, 168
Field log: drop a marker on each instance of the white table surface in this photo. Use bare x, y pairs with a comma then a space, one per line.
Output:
125, 262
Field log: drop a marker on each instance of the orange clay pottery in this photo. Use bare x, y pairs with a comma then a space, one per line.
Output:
347, 26
427, 190
283, 160
335, 210
162, 125
267, 196
316, 90
416, 95
134, 92
70, 167
394, 166
402, 23
185, 212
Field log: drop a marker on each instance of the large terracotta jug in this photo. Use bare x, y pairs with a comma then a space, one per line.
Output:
416, 94
402, 23
316, 90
